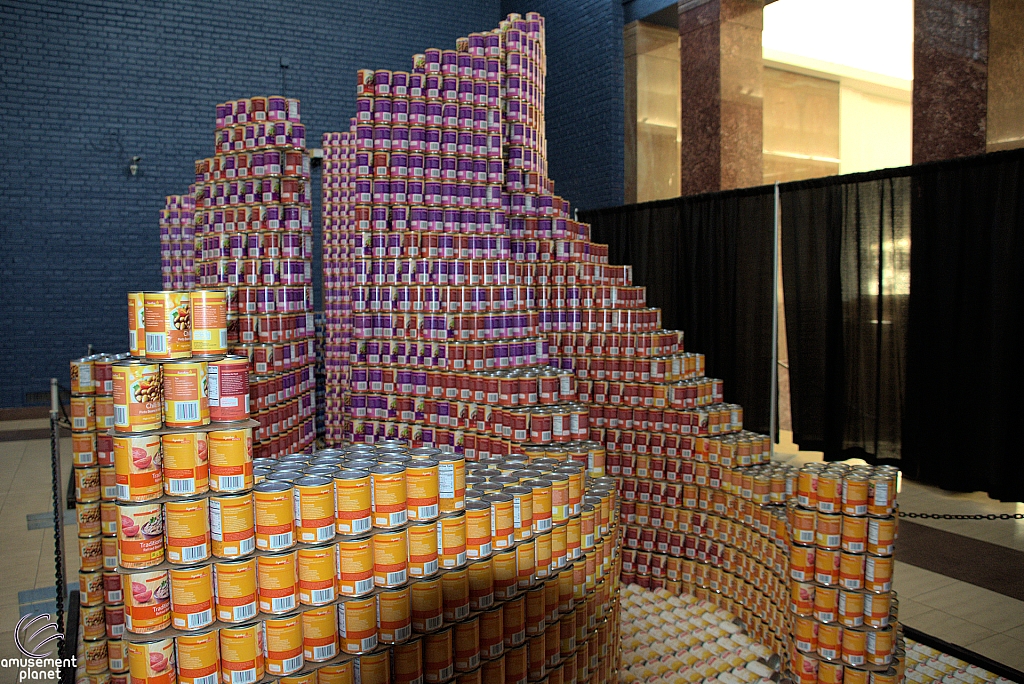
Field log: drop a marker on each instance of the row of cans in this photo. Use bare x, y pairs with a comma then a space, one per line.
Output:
253, 136
513, 273
299, 438
254, 218
266, 244
94, 374
282, 357
486, 223
852, 490
483, 299
267, 190
271, 162
256, 109
177, 325
228, 272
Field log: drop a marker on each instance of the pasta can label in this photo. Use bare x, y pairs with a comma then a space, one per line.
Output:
317, 568
423, 551
209, 322
138, 396
230, 460
232, 527
319, 634
353, 502
314, 509
93, 623
191, 598
355, 567
427, 601
235, 584
137, 468
284, 645
830, 638
438, 657
274, 515
451, 483
140, 535
394, 616
357, 625
422, 490
136, 324
168, 325
390, 558
186, 394
152, 662
90, 587
187, 531
87, 484
277, 583
388, 493
198, 657
242, 653
147, 604
186, 463
229, 389
451, 541
83, 449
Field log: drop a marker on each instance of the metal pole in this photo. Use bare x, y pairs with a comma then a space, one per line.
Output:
60, 565
775, 324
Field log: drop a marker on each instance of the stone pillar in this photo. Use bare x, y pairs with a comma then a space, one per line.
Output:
951, 48
721, 79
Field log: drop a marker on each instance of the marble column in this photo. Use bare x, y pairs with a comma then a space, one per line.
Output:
721, 78
950, 100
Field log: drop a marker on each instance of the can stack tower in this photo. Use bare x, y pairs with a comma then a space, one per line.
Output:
254, 240
177, 242
101, 621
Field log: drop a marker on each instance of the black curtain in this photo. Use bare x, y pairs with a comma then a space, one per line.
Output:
845, 268
707, 263
964, 376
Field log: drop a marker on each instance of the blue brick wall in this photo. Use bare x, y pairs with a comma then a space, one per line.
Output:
87, 85
585, 119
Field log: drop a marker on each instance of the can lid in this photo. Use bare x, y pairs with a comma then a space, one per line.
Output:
425, 463
272, 484
499, 497
476, 504
387, 469
539, 483
351, 474
284, 476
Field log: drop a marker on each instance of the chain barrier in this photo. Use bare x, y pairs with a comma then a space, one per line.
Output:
957, 516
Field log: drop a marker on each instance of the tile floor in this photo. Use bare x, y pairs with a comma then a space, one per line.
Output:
983, 621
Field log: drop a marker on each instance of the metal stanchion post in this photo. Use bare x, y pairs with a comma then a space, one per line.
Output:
58, 503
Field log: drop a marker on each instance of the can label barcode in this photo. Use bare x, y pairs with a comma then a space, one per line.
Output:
123, 492
430, 567
182, 485
113, 597
282, 604
396, 577
543, 524
461, 611
361, 525
325, 533
194, 553
363, 586
201, 619
110, 492
398, 518
280, 541
291, 664
120, 415
368, 643
447, 673
202, 335
324, 652
186, 410
230, 483
319, 596
403, 633
486, 601
155, 343
424, 512
243, 676
247, 545
206, 679
434, 622
244, 612
80, 423
117, 630
496, 649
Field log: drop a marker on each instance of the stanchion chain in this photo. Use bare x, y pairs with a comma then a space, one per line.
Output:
957, 516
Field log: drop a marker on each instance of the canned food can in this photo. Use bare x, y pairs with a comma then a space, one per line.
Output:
152, 662
186, 394
390, 558
316, 575
439, 656
881, 536
274, 515
456, 594
492, 633
407, 662
140, 529
394, 616
93, 622
341, 673
137, 467
91, 587
423, 549
526, 563
283, 645
232, 526
229, 389
89, 517
353, 502
187, 531
878, 573
855, 534
422, 490
355, 566
542, 512
830, 639
314, 509
277, 583
81, 376
319, 634
147, 604
83, 449
192, 600
877, 608
851, 608
357, 625
138, 396
186, 463
427, 601
209, 322
451, 482
467, 645
389, 496
478, 530
242, 657
374, 668
136, 324
451, 541
514, 622
230, 460
235, 590
198, 657
502, 520
87, 484
854, 647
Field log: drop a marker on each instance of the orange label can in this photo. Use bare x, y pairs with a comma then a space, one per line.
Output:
136, 324
83, 414
542, 553
138, 396
152, 662
355, 575
353, 502
881, 536
235, 585
186, 463
422, 490
456, 595
427, 600
851, 570
492, 633
317, 569
242, 653
342, 673
451, 541
140, 542
147, 602
186, 394
104, 413
560, 506
274, 515
209, 322
229, 389
168, 325
876, 609
284, 645
826, 603
573, 541
438, 657
88, 516
506, 579
394, 616
514, 622
878, 573
277, 583
803, 525
467, 645
390, 558
191, 598
854, 647
230, 460
374, 668
481, 585
558, 547
541, 504
187, 531
137, 468
830, 640
522, 511
805, 634
855, 534
851, 608
478, 529
407, 662
232, 526
83, 449
319, 634
198, 657
314, 509
451, 482
389, 496
502, 520
423, 552
357, 625
526, 563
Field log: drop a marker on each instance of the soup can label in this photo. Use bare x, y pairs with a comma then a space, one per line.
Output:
394, 616
232, 526
878, 573
235, 585
277, 583
317, 569
389, 496
356, 566
422, 490
438, 657
230, 460
91, 587
881, 535
186, 463
191, 598
481, 585
186, 394
427, 600
209, 322
147, 601
137, 468
93, 622
242, 653
451, 541
319, 634
274, 516
152, 662
229, 389
451, 483
423, 551
83, 449
198, 657
284, 645
357, 625
187, 531
138, 396
467, 645
390, 558
168, 318
353, 502
83, 414
140, 535
314, 509
455, 595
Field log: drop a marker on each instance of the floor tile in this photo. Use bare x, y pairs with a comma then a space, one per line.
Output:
949, 628
911, 582
1002, 649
